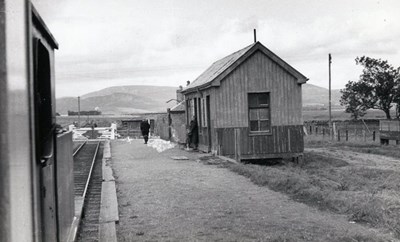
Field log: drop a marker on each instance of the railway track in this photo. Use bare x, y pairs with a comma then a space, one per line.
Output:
88, 179
77, 147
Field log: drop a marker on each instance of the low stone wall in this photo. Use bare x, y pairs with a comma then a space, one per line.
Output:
161, 126
178, 127
171, 127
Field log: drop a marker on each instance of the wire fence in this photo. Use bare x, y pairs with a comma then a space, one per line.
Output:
343, 132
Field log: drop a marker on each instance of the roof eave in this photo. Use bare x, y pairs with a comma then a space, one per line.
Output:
198, 88
300, 77
302, 81
40, 24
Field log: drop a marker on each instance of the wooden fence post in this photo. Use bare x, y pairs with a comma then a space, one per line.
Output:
373, 136
347, 135
334, 130
235, 137
305, 130
237, 144
364, 133
338, 134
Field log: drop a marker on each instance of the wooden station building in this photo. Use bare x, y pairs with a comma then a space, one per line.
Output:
248, 105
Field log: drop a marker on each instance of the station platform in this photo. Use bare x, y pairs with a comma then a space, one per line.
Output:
174, 195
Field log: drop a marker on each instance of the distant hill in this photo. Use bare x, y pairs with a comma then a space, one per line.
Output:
122, 100
314, 95
143, 99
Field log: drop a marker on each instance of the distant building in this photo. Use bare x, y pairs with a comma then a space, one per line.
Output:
84, 113
131, 127
248, 106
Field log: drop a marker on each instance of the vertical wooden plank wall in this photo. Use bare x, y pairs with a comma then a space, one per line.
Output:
284, 139
229, 110
258, 74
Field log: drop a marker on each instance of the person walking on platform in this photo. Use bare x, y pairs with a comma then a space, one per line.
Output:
145, 127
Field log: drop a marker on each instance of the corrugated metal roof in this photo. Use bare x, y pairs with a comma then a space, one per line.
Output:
217, 68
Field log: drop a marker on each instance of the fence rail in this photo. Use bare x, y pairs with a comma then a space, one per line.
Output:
343, 133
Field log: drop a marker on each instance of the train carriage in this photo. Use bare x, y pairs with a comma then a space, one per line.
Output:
37, 203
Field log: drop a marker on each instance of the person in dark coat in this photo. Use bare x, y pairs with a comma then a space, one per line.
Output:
194, 133
145, 127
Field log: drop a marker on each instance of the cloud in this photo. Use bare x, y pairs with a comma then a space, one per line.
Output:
168, 42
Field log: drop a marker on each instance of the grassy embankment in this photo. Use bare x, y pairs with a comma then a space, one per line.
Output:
368, 147
367, 195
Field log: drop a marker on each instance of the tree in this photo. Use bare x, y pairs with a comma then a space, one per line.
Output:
378, 88
355, 99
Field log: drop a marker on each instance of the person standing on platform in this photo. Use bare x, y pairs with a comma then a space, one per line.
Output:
194, 133
145, 128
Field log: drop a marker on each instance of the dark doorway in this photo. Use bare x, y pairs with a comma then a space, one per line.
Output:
208, 114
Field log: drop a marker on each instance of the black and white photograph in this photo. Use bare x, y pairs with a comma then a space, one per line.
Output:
199, 120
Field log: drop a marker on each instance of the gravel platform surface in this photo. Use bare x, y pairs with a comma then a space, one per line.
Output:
166, 199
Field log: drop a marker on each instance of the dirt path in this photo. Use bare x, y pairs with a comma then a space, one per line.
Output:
162, 199
358, 158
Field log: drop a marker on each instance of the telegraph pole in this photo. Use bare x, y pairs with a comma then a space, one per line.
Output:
330, 101
79, 112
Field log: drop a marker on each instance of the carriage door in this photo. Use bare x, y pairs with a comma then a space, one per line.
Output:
44, 139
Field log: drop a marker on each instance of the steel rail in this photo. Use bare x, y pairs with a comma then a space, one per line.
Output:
91, 169
79, 148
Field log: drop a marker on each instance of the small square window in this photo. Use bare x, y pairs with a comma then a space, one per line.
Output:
253, 114
263, 99
263, 113
253, 125
264, 126
253, 102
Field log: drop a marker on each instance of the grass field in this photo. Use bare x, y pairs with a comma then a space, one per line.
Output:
339, 114
367, 193
368, 147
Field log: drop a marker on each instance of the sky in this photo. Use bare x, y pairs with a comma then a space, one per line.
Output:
105, 43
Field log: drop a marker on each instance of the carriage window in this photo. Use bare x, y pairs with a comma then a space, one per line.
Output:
43, 103
259, 112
